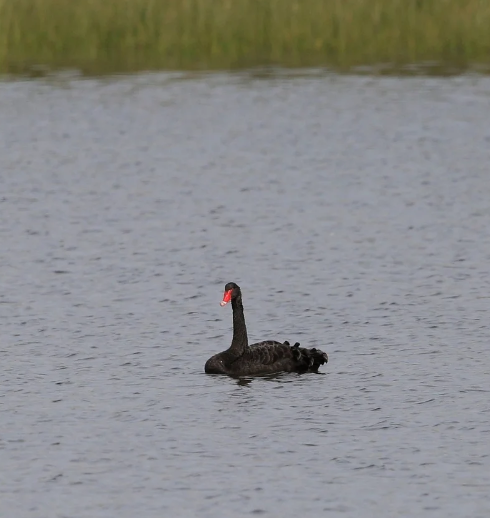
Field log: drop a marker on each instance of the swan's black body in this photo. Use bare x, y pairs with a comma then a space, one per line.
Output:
266, 357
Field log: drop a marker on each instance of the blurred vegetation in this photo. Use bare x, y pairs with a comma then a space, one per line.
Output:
109, 36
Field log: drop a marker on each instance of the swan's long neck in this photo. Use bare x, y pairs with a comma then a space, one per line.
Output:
240, 339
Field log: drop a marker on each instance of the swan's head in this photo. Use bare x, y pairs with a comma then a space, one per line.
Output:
232, 290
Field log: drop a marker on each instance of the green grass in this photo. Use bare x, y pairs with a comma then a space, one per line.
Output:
108, 36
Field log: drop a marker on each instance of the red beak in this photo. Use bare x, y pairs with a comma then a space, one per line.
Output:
226, 298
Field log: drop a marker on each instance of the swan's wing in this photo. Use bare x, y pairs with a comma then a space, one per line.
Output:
276, 355
268, 352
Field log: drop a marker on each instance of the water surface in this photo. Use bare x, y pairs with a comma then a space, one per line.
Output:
353, 212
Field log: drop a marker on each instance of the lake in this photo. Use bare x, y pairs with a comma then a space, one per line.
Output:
354, 213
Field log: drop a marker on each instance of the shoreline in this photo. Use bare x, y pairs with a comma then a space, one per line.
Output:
127, 36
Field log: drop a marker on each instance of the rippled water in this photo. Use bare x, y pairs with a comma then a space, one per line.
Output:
353, 211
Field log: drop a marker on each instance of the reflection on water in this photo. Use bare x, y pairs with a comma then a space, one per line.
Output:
277, 378
353, 211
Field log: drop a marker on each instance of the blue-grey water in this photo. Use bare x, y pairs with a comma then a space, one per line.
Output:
355, 214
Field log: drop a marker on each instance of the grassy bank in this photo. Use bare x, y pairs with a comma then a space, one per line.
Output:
106, 36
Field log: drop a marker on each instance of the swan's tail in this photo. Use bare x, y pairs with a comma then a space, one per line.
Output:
309, 359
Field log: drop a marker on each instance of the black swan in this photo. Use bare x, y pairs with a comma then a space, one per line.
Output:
266, 357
